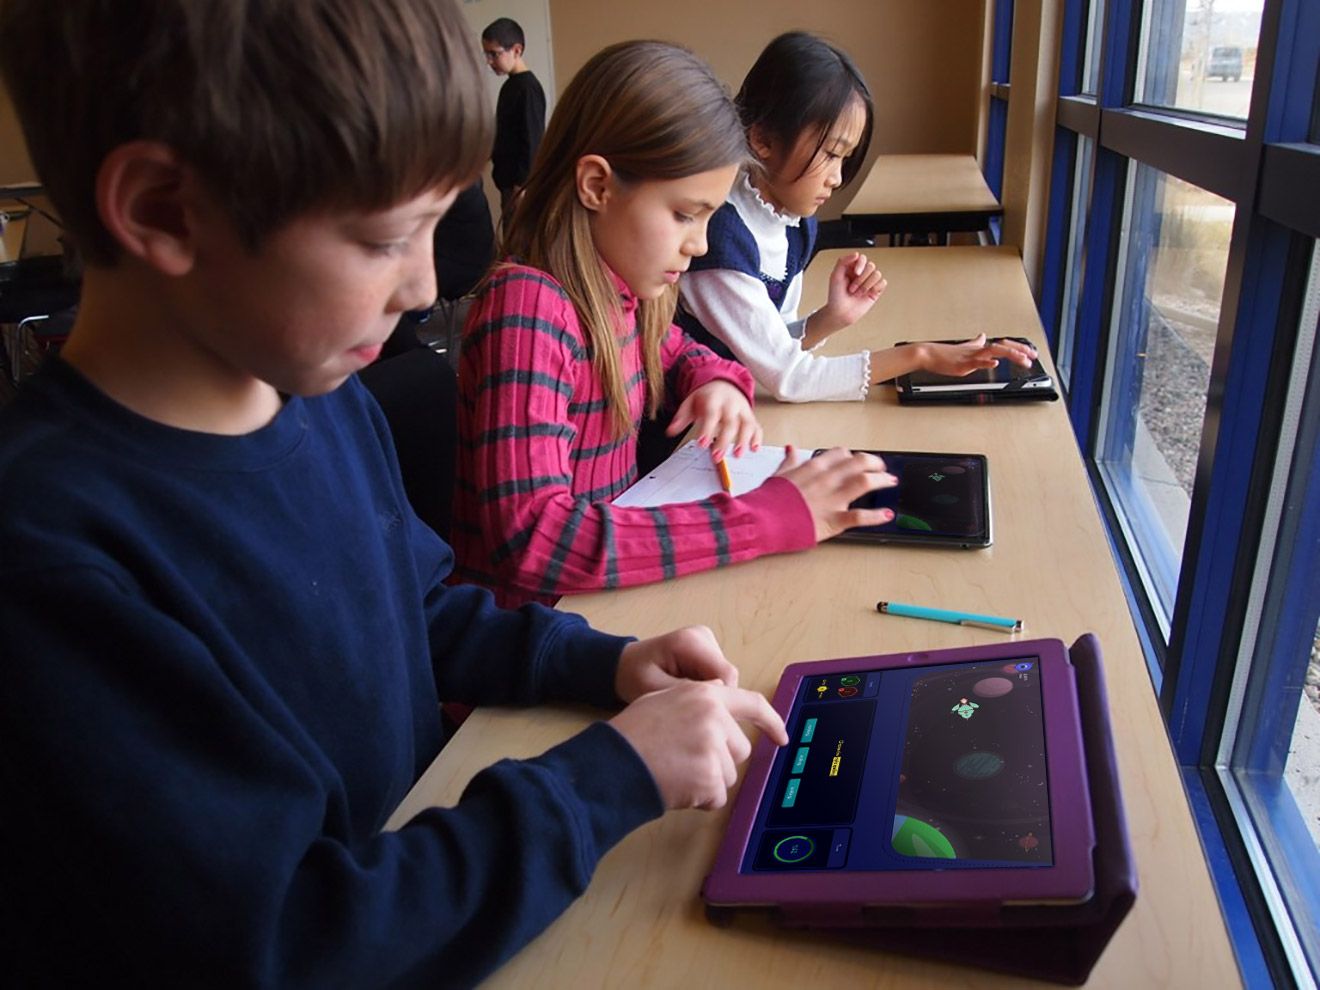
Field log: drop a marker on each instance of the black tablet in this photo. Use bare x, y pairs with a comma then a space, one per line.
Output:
940, 500
1006, 381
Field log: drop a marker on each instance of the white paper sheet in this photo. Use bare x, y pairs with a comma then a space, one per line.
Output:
689, 476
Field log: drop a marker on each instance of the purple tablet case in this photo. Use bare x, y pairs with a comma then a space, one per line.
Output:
1060, 943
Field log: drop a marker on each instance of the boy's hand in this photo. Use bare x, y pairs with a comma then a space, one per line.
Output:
830, 482
855, 285
970, 355
691, 653
689, 738
723, 418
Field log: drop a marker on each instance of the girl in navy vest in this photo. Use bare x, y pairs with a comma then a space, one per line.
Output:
808, 117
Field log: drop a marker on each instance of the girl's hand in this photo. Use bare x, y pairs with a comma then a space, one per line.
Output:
855, 285
970, 355
723, 418
831, 482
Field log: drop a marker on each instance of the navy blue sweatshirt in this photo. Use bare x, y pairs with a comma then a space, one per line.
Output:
220, 661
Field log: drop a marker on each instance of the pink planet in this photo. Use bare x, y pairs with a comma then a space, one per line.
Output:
992, 687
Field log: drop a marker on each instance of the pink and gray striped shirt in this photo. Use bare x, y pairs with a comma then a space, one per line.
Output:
539, 461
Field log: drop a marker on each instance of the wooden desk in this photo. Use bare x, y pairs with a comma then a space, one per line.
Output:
640, 924
921, 194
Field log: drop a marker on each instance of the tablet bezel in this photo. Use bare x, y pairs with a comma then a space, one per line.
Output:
953, 892
914, 538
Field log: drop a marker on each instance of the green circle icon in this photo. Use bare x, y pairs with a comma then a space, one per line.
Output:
794, 849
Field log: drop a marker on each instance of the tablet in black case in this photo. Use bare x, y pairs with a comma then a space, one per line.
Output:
1007, 382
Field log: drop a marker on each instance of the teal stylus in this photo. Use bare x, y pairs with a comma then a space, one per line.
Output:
947, 615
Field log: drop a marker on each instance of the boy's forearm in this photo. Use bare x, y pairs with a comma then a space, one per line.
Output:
483, 654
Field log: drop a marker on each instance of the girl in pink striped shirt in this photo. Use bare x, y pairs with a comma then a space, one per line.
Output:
571, 343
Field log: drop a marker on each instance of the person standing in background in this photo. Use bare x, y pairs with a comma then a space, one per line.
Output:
519, 112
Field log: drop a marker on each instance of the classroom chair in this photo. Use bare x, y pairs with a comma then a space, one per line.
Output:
418, 392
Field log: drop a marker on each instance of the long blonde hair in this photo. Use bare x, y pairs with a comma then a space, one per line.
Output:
654, 111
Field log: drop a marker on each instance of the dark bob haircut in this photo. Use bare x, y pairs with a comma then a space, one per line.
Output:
802, 84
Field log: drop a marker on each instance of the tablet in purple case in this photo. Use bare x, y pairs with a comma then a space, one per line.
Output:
919, 788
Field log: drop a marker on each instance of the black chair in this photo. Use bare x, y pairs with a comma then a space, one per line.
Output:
418, 392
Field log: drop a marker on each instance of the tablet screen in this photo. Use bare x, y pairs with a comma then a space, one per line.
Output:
914, 768
938, 497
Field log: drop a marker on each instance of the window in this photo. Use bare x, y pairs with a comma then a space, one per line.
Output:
1199, 55
1091, 58
1000, 58
1270, 749
1187, 304
1174, 254
1076, 260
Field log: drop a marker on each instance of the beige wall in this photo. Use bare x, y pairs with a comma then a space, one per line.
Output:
921, 58
14, 164
1029, 135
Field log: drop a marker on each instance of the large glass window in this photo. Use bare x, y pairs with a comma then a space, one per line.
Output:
1000, 61
1270, 753
1174, 253
1199, 55
1091, 59
1076, 259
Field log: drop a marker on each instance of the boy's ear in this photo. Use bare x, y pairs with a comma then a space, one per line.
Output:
144, 196
517, 51
593, 181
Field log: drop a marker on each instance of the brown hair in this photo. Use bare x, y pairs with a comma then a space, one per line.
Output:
284, 107
654, 111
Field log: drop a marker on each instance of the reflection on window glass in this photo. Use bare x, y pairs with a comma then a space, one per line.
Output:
1271, 741
1175, 251
1076, 261
1199, 55
1091, 60
1303, 768
1001, 55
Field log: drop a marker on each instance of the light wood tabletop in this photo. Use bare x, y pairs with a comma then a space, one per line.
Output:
641, 923
920, 193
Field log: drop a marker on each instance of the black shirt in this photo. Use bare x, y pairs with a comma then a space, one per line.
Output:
519, 124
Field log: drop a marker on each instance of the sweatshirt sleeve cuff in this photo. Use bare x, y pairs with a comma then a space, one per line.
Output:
583, 664
612, 785
782, 514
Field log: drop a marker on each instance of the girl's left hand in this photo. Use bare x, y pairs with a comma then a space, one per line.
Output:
855, 285
723, 418
970, 355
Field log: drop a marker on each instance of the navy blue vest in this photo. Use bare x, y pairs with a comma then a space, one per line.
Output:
732, 247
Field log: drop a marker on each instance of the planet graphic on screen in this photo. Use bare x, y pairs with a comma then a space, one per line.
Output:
992, 687
913, 837
978, 766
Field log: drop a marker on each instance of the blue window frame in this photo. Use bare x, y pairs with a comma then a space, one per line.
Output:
1229, 637
997, 128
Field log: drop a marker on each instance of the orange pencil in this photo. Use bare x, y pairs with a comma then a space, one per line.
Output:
722, 469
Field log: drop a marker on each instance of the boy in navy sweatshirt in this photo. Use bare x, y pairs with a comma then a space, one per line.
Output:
225, 633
